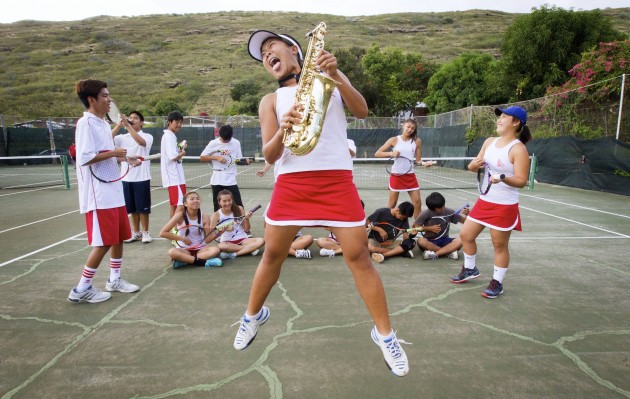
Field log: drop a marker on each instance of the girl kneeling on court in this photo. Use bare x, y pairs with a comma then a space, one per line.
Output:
234, 240
192, 242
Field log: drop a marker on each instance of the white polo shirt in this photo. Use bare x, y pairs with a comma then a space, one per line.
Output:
141, 172
225, 177
172, 171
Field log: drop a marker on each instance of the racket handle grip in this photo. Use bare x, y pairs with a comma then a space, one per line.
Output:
415, 229
254, 209
457, 212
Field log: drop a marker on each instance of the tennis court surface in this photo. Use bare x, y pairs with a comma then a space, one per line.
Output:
560, 330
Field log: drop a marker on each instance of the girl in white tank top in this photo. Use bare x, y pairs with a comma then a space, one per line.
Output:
508, 160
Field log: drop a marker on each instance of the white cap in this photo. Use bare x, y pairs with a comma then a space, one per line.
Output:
257, 39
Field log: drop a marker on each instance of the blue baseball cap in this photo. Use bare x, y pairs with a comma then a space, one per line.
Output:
515, 111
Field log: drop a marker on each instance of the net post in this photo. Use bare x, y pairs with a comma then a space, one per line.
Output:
64, 168
532, 171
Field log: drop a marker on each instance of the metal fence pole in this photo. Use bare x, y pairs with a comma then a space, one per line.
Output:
623, 84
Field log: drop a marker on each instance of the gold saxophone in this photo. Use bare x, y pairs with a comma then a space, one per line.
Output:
313, 93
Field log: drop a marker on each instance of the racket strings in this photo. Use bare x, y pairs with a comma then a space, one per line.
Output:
106, 170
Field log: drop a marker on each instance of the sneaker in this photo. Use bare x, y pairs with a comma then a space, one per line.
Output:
178, 263
327, 252
121, 285
214, 262
256, 252
378, 258
146, 237
494, 289
429, 255
249, 328
407, 254
465, 275
303, 253
249, 234
91, 295
134, 237
453, 255
227, 255
394, 355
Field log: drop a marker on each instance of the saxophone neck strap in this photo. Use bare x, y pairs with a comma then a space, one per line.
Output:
295, 76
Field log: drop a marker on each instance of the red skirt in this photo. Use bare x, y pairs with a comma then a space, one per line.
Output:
496, 216
406, 182
315, 198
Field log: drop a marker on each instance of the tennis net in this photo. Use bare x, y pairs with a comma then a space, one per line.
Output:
369, 174
34, 171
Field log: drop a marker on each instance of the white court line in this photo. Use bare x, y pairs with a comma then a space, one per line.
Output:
38, 221
576, 206
41, 249
30, 191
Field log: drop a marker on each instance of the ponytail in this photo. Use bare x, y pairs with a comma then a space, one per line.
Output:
524, 135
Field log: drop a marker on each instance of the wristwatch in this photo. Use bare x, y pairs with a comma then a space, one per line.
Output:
502, 176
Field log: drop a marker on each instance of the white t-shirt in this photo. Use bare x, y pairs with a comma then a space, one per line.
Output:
141, 172
331, 152
225, 177
172, 171
94, 135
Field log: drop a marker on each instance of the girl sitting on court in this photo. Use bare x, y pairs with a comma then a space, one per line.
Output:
191, 215
234, 240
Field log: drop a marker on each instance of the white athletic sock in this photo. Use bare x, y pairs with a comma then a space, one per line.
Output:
470, 261
254, 317
86, 279
114, 269
499, 273
384, 337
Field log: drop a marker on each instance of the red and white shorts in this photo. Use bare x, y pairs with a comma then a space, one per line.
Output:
107, 226
315, 198
496, 216
406, 182
176, 194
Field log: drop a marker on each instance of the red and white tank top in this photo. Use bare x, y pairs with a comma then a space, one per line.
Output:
498, 160
331, 152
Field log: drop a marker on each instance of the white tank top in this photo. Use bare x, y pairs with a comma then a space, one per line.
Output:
407, 150
499, 162
236, 234
193, 234
331, 152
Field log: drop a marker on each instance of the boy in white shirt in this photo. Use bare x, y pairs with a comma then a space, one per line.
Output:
137, 183
170, 163
102, 203
219, 151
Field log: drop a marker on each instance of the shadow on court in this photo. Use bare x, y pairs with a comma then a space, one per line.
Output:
561, 329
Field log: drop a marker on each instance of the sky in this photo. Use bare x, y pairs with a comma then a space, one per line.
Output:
73, 10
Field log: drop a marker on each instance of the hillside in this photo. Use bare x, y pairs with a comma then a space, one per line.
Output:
142, 58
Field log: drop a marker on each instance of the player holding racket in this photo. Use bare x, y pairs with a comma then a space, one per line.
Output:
234, 240
435, 222
171, 168
137, 182
507, 157
193, 235
102, 203
328, 171
223, 153
386, 225
405, 149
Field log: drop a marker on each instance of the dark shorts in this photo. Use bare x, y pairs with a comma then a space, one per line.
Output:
442, 241
137, 196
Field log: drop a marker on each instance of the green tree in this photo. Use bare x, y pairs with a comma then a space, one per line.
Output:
395, 81
246, 95
541, 47
471, 78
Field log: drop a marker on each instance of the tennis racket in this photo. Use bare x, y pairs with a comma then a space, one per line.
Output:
110, 171
195, 233
484, 179
234, 221
113, 116
443, 221
393, 232
147, 158
401, 165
